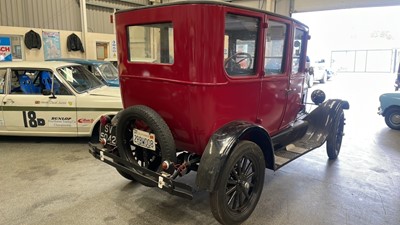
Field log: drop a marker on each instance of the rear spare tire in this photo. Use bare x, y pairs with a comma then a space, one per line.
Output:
153, 142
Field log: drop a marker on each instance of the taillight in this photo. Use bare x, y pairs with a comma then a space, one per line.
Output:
105, 120
103, 141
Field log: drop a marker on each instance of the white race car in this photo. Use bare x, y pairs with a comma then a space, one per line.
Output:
53, 99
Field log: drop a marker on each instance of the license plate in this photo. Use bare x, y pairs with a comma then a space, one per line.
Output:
144, 139
108, 132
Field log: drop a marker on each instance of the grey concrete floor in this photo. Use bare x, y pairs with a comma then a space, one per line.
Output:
50, 181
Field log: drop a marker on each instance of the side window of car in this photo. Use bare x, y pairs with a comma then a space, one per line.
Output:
23, 82
297, 50
3, 73
46, 78
240, 44
275, 48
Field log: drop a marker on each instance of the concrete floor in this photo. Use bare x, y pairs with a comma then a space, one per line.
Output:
51, 181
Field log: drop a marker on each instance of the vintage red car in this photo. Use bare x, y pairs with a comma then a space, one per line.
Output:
218, 89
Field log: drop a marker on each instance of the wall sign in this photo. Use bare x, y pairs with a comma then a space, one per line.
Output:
52, 47
5, 49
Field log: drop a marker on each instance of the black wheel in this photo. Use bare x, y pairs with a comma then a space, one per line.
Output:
95, 137
239, 184
334, 141
123, 174
392, 118
142, 119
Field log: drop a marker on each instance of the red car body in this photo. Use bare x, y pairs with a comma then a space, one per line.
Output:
217, 89
195, 95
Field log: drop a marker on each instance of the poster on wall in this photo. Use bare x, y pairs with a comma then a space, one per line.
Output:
52, 46
5, 49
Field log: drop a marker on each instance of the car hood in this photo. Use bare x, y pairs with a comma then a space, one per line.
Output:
106, 91
113, 83
392, 96
389, 99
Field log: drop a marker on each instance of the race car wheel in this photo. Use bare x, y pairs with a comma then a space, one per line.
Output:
148, 127
392, 118
239, 185
334, 141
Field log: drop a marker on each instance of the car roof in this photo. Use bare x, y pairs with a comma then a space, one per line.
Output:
36, 64
81, 61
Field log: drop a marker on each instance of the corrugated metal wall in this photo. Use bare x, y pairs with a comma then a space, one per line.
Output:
46, 14
62, 14
98, 19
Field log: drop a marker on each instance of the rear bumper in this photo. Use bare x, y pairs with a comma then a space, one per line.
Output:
163, 181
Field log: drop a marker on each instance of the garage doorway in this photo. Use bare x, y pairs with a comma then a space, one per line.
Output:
101, 50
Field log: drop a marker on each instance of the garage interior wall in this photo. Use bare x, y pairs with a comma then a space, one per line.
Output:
17, 17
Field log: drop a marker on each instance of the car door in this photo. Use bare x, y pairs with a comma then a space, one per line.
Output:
3, 76
296, 79
274, 86
26, 110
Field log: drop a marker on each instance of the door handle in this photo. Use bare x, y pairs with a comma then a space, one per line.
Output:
289, 90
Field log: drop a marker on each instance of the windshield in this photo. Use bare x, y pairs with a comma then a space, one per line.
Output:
108, 71
79, 78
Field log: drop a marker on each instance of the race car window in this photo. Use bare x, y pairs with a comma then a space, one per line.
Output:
22, 82
151, 43
29, 81
3, 73
79, 78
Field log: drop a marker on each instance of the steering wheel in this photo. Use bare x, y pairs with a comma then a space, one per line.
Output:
232, 64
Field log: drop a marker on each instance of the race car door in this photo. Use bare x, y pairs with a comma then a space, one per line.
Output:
26, 110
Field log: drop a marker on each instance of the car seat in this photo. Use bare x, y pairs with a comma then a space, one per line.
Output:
26, 84
46, 82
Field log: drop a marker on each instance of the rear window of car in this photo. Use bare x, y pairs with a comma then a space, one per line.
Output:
151, 43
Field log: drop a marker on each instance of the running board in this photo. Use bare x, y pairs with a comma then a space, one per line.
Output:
285, 155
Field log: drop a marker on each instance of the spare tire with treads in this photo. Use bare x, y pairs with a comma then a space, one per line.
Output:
144, 139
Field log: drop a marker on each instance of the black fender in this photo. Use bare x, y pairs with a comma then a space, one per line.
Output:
321, 122
222, 143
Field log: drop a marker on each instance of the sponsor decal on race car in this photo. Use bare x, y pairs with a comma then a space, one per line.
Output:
54, 102
84, 120
61, 121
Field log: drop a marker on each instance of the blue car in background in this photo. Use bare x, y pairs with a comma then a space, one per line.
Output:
104, 70
390, 109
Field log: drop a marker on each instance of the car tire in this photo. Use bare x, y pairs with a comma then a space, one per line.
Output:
95, 137
235, 207
334, 140
392, 118
146, 119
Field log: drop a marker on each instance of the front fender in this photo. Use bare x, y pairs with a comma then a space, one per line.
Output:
321, 122
221, 144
